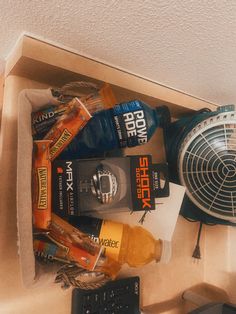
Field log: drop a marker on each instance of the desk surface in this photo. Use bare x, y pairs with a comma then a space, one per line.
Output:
161, 284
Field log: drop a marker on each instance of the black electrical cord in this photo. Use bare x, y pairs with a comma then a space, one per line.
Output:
197, 252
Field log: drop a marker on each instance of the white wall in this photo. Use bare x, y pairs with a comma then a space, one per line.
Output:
187, 45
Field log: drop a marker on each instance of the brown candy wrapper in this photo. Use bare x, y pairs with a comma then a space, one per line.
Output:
41, 185
65, 129
81, 249
44, 119
103, 99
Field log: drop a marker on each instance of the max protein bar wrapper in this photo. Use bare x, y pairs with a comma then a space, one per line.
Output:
67, 126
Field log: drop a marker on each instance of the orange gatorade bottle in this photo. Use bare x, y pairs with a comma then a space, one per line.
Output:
132, 245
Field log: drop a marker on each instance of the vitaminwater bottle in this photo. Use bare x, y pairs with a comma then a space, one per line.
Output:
125, 125
125, 244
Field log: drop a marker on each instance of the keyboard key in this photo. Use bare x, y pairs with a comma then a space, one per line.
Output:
116, 297
95, 302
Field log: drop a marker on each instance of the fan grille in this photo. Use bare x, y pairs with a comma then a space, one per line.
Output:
207, 166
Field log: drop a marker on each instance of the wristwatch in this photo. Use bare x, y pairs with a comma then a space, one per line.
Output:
104, 184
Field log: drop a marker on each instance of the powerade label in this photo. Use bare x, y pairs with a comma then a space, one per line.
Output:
106, 233
130, 123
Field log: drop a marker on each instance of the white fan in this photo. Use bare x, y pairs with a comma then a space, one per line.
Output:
207, 165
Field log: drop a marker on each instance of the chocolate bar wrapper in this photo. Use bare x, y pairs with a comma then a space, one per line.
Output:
81, 249
69, 124
103, 99
41, 185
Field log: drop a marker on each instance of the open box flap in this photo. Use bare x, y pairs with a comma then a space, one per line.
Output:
29, 100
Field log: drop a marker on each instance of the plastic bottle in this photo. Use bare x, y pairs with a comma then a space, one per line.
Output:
127, 124
125, 244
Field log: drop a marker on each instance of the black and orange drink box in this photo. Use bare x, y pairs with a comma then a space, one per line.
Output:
111, 184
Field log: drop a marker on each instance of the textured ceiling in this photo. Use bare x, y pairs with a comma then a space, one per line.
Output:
188, 45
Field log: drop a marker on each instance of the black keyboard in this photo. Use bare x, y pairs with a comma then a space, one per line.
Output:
116, 297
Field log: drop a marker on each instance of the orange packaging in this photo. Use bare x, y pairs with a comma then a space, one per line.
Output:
81, 249
108, 266
108, 96
41, 184
67, 126
103, 99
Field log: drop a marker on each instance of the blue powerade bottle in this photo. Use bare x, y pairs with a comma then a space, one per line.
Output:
126, 125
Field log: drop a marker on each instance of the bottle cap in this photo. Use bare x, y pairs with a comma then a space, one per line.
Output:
166, 252
163, 114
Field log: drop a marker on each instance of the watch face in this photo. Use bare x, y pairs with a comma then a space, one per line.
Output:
104, 184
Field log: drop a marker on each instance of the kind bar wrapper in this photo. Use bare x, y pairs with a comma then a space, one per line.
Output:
44, 119
81, 249
41, 185
65, 129
49, 251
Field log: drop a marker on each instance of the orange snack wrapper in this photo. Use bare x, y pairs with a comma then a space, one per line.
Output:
103, 99
41, 184
108, 96
65, 129
81, 249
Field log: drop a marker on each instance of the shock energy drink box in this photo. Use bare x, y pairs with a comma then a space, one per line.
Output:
130, 183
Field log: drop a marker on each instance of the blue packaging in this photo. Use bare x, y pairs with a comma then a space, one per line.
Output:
126, 125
